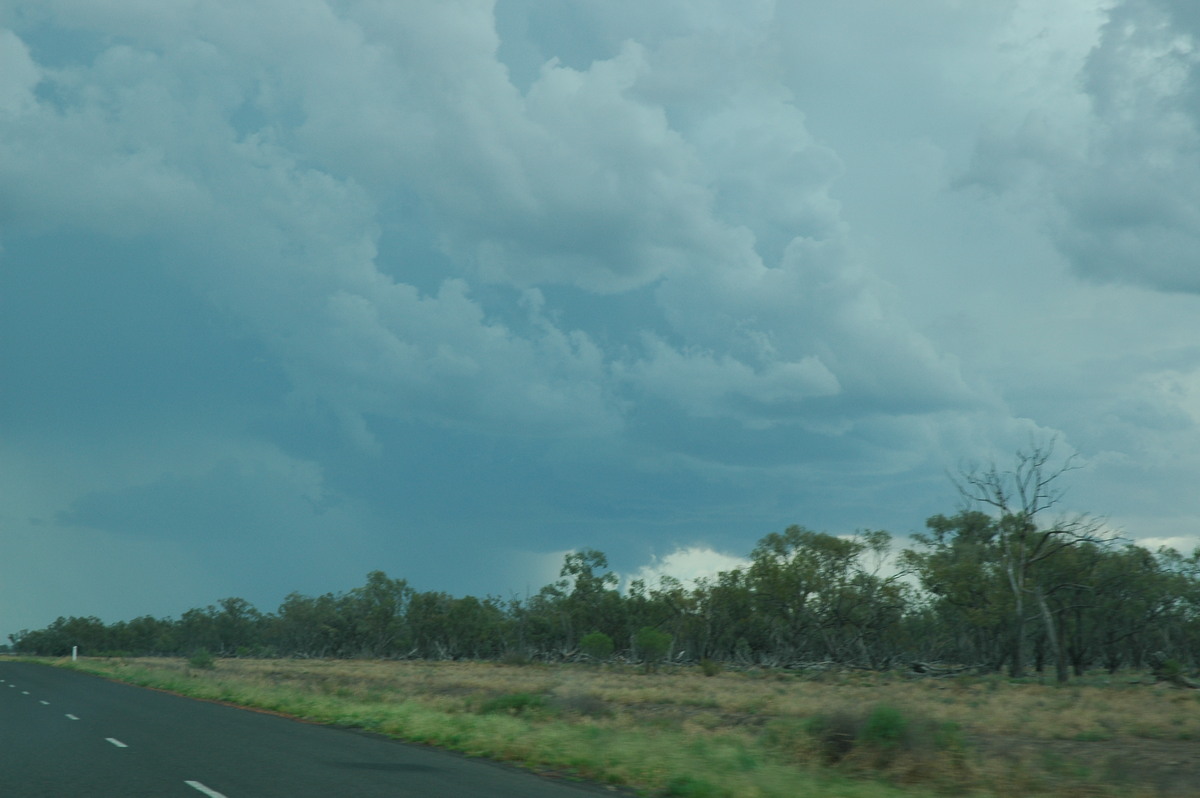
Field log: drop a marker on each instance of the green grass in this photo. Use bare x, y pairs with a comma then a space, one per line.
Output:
515, 704
756, 733
517, 728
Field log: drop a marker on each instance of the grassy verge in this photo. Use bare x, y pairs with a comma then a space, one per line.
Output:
682, 734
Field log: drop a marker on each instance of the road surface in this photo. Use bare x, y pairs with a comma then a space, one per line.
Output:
64, 733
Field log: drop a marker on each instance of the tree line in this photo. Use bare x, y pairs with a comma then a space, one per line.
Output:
995, 585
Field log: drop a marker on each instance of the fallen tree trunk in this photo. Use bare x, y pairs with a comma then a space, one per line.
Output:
1170, 671
939, 671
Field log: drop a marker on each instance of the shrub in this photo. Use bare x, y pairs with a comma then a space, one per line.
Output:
835, 734
1171, 670
517, 658
710, 667
692, 787
948, 736
652, 645
202, 660
513, 704
885, 728
582, 704
597, 645
878, 737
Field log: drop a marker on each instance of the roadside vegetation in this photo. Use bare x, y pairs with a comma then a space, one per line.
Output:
992, 657
757, 732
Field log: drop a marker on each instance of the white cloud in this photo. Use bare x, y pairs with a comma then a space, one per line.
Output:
287, 247
20, 74
263, 153
1106, 147
705, 385
687, 564
1184, 544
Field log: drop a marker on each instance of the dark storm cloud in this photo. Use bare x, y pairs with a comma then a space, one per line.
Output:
448, 289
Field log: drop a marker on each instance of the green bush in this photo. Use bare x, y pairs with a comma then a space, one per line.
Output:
1171, 670
581, 704
514, 704
692, 787
652, 645
885, 728
835, 734
948, 736
597, 645
710, 667
202, 660
875, 738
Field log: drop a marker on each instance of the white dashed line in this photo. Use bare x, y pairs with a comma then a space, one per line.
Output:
195, 785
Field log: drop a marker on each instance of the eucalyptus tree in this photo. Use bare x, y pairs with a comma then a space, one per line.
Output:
143, 636
667, 606
1026, 542
1177, 617
57, 640
958, 565
819, 596
728, 624
237, 626
308, 626
445, 627
377, 612
863, 607
590, 598
477, 628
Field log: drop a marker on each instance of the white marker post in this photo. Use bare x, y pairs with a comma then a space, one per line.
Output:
74, 653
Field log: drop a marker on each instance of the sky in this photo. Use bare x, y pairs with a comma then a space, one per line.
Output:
294, 290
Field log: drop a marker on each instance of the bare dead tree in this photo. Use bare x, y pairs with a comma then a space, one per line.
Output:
1021, 497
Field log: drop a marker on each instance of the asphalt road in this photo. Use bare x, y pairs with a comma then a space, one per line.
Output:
64, 733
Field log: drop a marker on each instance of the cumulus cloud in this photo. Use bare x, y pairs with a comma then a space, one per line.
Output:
702, 384
1107, 149
265, 153
687, 564
20, 74
289, 248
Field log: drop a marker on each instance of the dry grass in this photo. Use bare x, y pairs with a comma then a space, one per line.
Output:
987, 736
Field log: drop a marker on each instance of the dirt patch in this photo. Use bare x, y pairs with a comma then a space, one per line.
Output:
658, 713
1156, 767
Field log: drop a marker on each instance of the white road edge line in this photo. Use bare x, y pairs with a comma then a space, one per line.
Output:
116, 742
24, 692
195, 785
72, 717
44, 703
